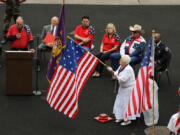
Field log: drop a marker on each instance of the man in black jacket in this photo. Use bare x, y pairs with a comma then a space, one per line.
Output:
161, 54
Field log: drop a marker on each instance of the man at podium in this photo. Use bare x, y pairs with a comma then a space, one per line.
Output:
20, 36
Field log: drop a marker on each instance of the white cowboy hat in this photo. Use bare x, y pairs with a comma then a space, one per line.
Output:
136, 27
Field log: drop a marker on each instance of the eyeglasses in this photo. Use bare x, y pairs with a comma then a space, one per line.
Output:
134, 32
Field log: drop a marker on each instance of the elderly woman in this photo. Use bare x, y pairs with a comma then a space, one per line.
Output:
110, 44
126, 81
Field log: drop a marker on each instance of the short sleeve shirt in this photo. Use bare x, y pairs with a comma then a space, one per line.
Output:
85, 33
110, 43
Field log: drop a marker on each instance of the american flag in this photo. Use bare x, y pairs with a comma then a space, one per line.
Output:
140, 98
73, 70
177, 126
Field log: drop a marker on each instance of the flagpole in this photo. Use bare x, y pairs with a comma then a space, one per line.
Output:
153, 127
92, 54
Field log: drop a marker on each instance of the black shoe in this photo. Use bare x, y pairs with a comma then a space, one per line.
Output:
3, 41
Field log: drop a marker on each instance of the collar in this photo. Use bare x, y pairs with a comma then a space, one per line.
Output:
84, 27
157, 44
112, 35
52, 27
136, 37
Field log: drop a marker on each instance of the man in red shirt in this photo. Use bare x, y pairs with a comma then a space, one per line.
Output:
84, 34
20, 35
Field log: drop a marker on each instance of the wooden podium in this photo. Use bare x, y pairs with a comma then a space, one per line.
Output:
19, 72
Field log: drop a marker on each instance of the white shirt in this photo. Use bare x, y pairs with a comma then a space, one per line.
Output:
126, 78
54, 33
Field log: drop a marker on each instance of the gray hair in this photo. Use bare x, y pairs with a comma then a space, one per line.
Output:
126, 59
54, 17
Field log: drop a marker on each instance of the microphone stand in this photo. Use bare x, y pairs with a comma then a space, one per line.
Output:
36, 92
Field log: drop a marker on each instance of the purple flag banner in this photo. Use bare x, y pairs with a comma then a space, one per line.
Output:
60, 42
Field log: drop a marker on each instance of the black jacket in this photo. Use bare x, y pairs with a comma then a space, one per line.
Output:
161, 56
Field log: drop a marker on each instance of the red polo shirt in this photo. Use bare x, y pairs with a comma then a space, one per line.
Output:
85, 33
22, 42
110, 43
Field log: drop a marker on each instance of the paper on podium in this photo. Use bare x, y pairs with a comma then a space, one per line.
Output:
18, 51
49, 38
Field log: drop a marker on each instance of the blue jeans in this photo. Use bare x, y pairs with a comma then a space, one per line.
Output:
115, 57
135, 60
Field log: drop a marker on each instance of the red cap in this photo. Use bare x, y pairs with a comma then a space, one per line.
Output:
179, 91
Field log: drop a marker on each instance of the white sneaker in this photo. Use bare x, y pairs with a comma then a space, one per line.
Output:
118, 120
125, 123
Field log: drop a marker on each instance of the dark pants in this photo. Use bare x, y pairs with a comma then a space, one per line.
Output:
41, 48
12, 10
159, 68
115, 57
103, 57
0, 49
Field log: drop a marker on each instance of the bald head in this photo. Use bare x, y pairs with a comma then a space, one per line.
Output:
157, 37
19, 22
54, 21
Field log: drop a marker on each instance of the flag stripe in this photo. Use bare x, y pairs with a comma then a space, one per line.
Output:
143, 72
82, 68
58, 85
62, 90
69, 103
177, 125
134, 102
69, 100
73, 108
87, 69
140, 98
53, 83
66, 86
64, 97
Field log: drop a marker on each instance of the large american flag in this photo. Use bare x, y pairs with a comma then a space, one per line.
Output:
177, 126
73, 70
140, 98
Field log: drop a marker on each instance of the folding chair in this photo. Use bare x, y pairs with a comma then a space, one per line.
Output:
166, 70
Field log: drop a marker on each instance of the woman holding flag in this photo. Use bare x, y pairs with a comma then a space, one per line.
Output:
123, 85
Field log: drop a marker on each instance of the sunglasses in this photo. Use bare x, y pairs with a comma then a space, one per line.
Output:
134, 32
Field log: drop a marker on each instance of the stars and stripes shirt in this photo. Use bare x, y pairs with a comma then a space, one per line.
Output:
133, 47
